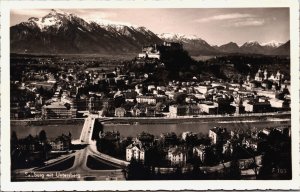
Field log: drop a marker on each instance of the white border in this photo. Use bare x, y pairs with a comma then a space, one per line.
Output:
6, 185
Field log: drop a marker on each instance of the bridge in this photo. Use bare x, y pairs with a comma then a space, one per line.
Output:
79, 169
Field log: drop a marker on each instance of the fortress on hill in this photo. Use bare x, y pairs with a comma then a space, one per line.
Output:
155, 51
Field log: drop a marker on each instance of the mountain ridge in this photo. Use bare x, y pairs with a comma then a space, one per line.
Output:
62, 32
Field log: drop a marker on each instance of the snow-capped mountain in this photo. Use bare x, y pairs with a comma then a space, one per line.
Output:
192, 43
272, 43
61, 32
111, 25
56, 19
251, 44
283, 49
252, 47
178, 36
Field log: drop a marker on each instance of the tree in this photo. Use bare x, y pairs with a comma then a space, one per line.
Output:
42, 136
70, 135
191, 140
266, 169
14, 140
45, 147
119, 101
137, 171
234, 170
178, 174
179, 98
159, 106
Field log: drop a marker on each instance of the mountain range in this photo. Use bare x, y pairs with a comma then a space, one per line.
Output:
65, 33
198, 46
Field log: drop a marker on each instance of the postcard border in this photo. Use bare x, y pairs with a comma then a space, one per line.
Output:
6, 184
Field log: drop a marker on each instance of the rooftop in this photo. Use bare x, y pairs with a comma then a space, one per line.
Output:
55, 105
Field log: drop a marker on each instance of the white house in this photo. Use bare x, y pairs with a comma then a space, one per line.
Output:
217, 134
200, 151
177, 156
135, 151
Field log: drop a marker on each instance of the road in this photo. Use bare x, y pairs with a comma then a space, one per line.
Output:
79, 170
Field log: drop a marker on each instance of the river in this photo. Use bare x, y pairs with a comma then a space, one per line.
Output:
197, 127
52, 131
132, 130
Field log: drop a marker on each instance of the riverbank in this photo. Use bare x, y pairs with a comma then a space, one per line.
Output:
160, 120
244, 164
37, 122
202, 119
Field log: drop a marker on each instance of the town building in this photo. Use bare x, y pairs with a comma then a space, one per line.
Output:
177, 156
218, 134
285, 131
238, 104
279, 104
250, 142
146, 99
203, 88
194, 110
187, 134
267, 131
29, 144
135, 151
209, 108
150, 111
86, 103
136, 112
259, 76
227, 148
184, 110
146, 139
200, 152
150, 51
120, 112
111, 136
266, 93
61, 143
130, 96
58, 110
178, 110
256, 106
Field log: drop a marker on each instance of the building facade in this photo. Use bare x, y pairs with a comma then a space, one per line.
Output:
57, 110
135, 151
177, 156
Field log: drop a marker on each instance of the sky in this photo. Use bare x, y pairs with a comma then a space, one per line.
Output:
217, 26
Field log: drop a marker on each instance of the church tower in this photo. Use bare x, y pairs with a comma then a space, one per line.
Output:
248, 77
278, 78
239, 108
265, 74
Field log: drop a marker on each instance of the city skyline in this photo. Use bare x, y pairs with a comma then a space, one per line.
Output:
215, 25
